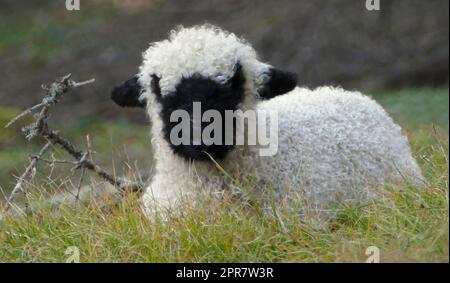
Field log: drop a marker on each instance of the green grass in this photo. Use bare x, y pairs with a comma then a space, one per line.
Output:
416, 107
409, 225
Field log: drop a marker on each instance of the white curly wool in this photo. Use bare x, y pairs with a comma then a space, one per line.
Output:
334, 145
205, 50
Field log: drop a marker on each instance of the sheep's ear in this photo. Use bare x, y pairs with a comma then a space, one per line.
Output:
280, 82
127, 94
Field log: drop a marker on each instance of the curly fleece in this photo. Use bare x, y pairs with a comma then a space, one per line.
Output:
337, 146
334, 145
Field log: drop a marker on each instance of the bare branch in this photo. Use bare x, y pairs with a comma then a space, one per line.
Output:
122, 184
24, 113
40, 128
57, 161
23, 178
80, 182
75, 84
54, 92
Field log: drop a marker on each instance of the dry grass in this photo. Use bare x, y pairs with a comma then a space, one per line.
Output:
410, 225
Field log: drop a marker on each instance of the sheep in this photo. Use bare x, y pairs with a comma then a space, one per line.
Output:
333, 145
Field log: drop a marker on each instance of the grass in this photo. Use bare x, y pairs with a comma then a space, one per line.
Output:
416, 107
410, 225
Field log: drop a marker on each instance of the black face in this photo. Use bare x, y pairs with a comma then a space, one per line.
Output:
211, 95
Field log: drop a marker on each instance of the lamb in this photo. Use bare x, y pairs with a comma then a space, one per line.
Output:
333, 145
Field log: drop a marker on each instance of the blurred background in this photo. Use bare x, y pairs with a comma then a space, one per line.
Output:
399, 55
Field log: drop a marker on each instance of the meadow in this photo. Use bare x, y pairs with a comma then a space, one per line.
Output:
407, 225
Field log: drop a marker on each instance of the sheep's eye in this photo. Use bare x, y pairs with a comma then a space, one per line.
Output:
155, 85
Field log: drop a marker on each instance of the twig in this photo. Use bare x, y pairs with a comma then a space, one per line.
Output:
122, 184
75, 84
89, 146
24, 113
56, 161
40, 128
80, 182
28, 171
